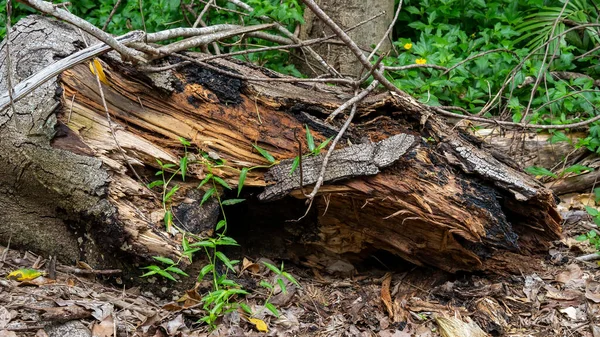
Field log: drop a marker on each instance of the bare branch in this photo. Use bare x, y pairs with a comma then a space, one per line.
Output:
352, 101
291, 36
48, 8
413, 66
112, 13
39, 78
206, 39
387, 32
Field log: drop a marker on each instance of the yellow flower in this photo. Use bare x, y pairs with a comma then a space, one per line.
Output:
408, 46
420, 61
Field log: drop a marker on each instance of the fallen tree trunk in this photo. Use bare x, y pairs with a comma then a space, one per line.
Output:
403, 181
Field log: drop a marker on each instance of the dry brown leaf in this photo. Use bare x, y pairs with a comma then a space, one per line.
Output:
252, 267
174, 325
592, 291
6, 333
105, 328
386, 297
455, 327
572, 277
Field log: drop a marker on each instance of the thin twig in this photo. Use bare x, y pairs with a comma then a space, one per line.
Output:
112, 13
182, 32
291, 36
543, 66
352, 101
204, 10
48, 8
412, 66
321, 177
387, 32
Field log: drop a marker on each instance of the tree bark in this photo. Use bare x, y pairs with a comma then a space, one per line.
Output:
346, 13
403, 181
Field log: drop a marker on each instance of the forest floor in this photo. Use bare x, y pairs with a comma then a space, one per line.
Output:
554, 295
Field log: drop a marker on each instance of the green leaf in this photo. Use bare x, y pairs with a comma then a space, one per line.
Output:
309, 139
184, 141
272, 267
168, 165
272, 309
540, 171
266, 284
183, 167
581, 237
222, 182
224, 259
207, 195
168, 219
592, 211
264, 153
226, 241
242, 180
166, 275
170, 193
246, 308
221, 224
205, 243
164, 260
152, 267
150, 273
282, 285
205, 270
291, 279
156, 183
577, 169
558, 136
176, 271
205, 180
322, 145
295, 165
232, 201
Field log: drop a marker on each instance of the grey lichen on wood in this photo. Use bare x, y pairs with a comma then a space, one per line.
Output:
474, 161
352, 161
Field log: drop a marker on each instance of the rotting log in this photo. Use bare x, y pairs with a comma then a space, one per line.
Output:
435, 199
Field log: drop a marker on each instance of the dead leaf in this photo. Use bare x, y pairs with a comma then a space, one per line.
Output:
252, 267
571, 312
259, 324
455, 327
6, 333
105, 328
41, 333
96, 66
592, 291
5, 317
174, 325
385, 294
571, 276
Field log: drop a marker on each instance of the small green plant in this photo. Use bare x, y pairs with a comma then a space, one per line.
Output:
314, 150
165, 272
167, 174
281, 274
540, 171
224, 296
